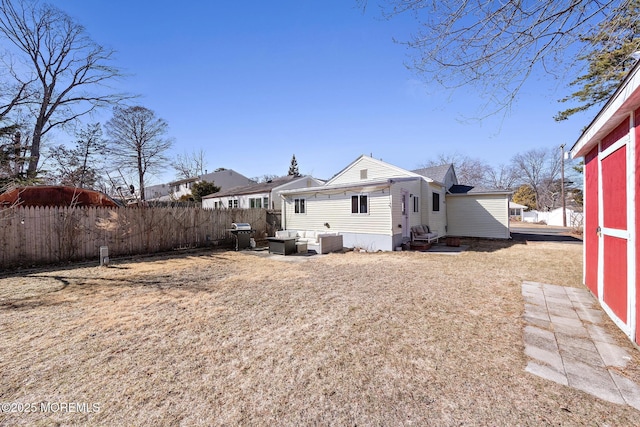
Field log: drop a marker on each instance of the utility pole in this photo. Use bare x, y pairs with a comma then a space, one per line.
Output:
564, 204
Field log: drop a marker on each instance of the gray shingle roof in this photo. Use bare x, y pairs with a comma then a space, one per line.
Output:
469, 189
261, 187
436, 173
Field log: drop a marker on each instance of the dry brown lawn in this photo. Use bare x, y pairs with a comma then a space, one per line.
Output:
226, 338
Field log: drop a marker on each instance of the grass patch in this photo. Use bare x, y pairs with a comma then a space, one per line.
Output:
228, 338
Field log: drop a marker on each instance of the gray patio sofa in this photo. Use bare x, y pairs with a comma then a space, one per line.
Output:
319, 241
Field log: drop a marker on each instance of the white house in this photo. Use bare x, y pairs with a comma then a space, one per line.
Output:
374, 204
225, 179
516, 210
258, 195
574, 218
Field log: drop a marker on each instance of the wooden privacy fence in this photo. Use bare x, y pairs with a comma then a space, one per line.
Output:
40, 235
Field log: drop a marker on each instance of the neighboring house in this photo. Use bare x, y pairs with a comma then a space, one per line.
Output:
374, 204
611, 154
574, 218
258, 195
516, 211
158, 192
225, 179
182, 187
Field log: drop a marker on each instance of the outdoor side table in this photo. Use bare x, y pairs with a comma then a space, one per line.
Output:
282, 246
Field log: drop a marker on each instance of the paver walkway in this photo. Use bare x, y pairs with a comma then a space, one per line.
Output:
565, 340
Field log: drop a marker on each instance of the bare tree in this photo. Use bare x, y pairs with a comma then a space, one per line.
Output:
469, 171
138, 141
496, 46
501, 177
540, 170
189, 165
79, 166
265, 178
64, 66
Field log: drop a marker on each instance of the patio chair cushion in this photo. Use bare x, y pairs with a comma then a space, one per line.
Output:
421, 229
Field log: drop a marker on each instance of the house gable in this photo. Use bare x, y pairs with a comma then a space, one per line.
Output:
444, 174
366, 168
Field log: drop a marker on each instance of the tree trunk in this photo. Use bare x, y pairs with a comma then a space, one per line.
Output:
34, 152
140, 176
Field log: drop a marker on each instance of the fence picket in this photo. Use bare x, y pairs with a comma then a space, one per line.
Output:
40, 235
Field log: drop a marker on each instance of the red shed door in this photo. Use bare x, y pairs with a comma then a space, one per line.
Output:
614, 233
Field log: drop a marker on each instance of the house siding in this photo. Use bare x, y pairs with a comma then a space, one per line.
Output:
335, 209
478, 216
223, 202
375, 171
272, 195
450, 179
412, 188
436, 220
276, 200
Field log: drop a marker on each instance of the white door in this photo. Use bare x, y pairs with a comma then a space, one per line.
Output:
405, 214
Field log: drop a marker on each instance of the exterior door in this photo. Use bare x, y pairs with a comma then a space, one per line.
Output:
613, 227
405, 214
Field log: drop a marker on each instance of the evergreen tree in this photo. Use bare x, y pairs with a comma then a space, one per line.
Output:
201, 189
293, 169
610, 57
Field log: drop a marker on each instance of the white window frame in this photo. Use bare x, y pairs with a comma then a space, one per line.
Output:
300, 206
255, 202
359, 198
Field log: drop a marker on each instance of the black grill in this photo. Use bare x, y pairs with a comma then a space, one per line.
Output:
242, 232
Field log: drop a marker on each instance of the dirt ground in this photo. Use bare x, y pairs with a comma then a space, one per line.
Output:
237, 338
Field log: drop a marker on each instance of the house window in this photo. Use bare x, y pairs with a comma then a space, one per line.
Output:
215, 205
255, 203
299, 206
363, 173
360, 204
265, 202
436, 202
235, 203
230, 204
416, 204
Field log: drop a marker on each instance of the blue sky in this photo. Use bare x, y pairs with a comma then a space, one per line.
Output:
254, 82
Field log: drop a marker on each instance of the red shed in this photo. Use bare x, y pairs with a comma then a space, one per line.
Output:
612, 204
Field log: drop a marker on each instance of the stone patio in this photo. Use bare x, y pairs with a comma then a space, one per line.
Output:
566, 343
